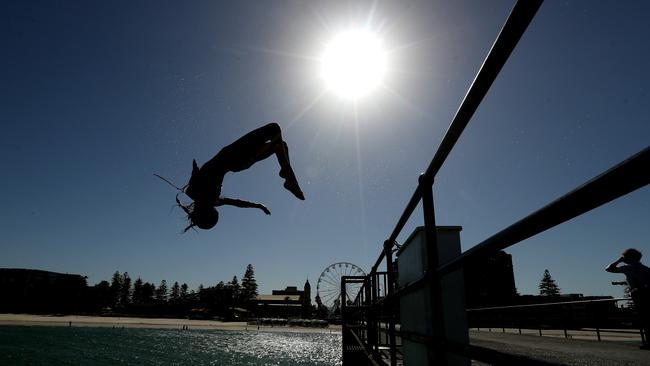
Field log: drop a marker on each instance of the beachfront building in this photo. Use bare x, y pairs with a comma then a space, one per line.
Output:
287, 303
36, 291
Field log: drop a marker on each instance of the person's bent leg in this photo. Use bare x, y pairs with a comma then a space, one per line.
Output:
258, 145
274, 142
270, 132
254, 146
286, 172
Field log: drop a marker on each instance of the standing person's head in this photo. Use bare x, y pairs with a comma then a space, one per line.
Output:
631, 255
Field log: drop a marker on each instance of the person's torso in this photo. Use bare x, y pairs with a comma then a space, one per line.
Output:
205, 185
637, 276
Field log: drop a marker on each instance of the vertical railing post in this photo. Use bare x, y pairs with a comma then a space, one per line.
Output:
390, 303
366, 303
344, 329
368, 311
432, 261
372, 336
597, 321
342, 306
644, 336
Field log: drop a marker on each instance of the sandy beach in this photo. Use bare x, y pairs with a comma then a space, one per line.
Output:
130, 322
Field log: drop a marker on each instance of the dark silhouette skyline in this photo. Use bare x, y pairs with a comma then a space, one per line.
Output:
44, 292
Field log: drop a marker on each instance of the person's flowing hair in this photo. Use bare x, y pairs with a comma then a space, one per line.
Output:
189, 210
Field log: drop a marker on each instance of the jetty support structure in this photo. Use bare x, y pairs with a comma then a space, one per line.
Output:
411, 320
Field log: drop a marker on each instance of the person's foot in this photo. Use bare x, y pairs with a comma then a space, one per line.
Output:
293, 187
291, 183
645, 346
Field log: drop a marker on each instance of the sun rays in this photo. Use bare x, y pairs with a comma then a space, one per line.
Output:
353, 63
350, 70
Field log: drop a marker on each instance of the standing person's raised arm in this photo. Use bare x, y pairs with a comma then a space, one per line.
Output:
613, 267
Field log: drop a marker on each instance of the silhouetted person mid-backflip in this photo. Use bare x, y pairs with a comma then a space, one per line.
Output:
638, 280
204, 187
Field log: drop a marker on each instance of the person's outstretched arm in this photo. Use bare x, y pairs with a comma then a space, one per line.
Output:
242, 204
613, 267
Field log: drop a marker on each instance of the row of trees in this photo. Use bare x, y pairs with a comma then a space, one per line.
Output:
123, 295
225, 296
120, 292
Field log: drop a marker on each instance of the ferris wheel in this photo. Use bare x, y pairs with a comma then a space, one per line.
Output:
328, 288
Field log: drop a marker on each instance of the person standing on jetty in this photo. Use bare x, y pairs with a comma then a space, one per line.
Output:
204, 186
637, 276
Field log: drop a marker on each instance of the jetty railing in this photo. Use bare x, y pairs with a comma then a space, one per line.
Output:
598, 317
373, 313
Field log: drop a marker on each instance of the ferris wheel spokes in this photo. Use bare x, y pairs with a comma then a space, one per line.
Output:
329, 283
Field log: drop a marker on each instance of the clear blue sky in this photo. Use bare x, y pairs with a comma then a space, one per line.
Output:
97, 96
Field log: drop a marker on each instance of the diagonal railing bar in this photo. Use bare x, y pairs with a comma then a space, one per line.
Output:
549, 304
518, 20
626, 177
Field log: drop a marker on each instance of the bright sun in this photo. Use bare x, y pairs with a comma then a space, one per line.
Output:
353, 64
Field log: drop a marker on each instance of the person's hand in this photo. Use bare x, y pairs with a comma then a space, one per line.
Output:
266, 210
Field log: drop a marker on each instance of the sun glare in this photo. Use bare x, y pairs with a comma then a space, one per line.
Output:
353, 64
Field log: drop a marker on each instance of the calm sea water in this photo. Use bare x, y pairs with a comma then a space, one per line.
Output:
108, 346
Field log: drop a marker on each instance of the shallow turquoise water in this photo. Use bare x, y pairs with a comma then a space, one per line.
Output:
108, 346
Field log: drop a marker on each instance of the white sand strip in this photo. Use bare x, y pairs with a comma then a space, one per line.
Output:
129, 322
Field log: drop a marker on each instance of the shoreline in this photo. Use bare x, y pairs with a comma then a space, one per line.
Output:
160, 323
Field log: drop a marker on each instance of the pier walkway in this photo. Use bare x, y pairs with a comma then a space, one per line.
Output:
565, 351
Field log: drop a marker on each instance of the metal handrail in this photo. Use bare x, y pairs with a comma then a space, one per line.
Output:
613, 183
616, 182
518, 20
549, 304
559, 320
